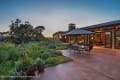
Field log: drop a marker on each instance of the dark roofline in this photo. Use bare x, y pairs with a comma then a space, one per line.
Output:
79, 32
59, 32
106, 24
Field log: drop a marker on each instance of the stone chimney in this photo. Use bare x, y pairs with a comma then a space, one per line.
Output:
71, 27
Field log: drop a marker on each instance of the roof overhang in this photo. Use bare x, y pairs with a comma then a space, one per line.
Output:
79, 32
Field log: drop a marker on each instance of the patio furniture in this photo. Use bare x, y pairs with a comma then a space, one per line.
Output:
81, 48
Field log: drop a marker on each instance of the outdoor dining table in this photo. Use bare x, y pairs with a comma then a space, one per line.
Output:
81, 48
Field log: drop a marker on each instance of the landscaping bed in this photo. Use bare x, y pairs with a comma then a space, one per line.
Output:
14, 58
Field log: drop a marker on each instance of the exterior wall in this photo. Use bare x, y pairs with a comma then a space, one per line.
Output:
57, 36
113, 38
77, 39
102, 30
113, 30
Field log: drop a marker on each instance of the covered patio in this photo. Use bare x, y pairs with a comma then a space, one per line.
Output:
102, 64
80, 36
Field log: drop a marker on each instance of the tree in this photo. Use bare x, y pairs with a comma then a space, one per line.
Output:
23, 32
14, 26
20, 32
38, 32
40, 29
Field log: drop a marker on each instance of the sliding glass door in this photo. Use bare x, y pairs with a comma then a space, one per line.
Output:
108, 39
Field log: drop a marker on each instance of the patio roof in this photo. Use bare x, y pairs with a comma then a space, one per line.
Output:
79, 32
106, 24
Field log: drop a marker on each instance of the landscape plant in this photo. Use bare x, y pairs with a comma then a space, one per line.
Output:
28, 50
12, 60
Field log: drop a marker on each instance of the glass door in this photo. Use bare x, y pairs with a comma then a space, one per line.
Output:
117, 39
108, 39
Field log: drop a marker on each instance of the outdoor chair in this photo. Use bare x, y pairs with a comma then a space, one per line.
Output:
73, 48
86, 48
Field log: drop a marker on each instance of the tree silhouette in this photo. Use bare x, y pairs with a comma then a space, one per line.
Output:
23, 32
40, 29
38, 32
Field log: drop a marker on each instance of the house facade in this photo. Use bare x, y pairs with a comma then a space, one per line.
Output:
106, 34
58, 36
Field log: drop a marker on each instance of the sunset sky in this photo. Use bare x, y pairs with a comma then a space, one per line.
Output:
55, 15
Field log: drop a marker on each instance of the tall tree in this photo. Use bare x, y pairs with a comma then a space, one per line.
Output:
40, 29
22, 32
14, 26
38, 32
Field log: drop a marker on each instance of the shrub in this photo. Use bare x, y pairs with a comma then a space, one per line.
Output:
6, 45
44, 43
11, 58
40, 64
4, 56
58, 53
6, 67
60, 45
18, 64
14, 54
55, 53
56, 60
21, 66
51, 46
44, 56
33, 56
50, 62
50, 53
8, 51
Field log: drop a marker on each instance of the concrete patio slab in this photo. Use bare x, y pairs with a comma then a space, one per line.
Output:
102, 64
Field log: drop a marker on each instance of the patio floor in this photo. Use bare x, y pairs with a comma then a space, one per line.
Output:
102, 64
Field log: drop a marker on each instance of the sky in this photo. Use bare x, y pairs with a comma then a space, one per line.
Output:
55, 15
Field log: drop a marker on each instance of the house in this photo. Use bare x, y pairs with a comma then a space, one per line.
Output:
58, 36
73, 35
106, 34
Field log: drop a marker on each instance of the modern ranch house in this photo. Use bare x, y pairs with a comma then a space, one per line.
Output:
104, 34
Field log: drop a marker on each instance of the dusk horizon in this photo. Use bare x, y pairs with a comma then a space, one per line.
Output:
56, 15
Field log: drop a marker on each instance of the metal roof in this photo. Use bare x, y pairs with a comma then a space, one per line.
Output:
79, 32
107, 24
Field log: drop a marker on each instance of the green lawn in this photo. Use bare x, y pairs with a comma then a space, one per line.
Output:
11, 55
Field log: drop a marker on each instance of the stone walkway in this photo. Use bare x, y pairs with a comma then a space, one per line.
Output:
102, 64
